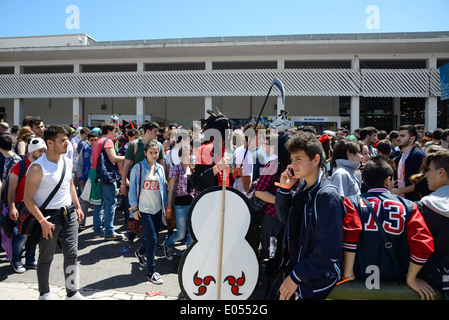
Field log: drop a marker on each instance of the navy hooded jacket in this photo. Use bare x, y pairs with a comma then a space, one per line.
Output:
317, 257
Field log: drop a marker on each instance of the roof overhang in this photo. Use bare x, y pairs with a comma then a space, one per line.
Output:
219, 47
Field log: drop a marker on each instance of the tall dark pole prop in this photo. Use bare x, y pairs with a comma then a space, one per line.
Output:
276, 82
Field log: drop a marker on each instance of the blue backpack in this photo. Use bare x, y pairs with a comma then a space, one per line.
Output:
107, 171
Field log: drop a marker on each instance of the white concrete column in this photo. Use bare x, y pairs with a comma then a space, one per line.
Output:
355, 63
431, 113
77, 112
355, 113
18, 103
18, 112
431, 102
140, 111
140, 66
207, 106
77, 106
279, 105
140, 101
355, 101
396, 113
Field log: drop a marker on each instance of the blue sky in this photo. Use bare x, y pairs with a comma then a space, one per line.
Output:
139, 19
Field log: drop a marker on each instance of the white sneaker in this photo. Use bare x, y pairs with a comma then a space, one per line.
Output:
114, 236
76, 296
18, 267
45, 296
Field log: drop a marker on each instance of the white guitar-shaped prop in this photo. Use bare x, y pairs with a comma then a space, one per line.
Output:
220, 264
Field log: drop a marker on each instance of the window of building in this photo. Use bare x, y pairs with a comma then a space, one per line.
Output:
318, 64
48, 69
174, 66
6, 70
393, 64
108, 67
244, 65
413, 110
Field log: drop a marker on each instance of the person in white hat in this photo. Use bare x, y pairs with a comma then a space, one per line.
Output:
36, 144
36, 148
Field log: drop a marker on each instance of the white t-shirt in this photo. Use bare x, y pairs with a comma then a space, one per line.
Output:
401, 171
247, 167
51, 176
150, 198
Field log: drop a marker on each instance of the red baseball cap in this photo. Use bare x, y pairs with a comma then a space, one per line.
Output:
324, 138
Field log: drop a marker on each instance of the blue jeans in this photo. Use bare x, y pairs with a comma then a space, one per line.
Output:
126, 205
127, 214
181, 214
151, 224
106, 210
18, 242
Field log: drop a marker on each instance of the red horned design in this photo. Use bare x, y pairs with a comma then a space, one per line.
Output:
236, 283
202, 283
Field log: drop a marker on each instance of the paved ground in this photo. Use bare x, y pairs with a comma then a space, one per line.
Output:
105, 273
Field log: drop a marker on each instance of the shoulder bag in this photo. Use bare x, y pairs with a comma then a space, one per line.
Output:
387, 242
27, 223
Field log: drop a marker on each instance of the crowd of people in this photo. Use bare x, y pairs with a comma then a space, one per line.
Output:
322, 205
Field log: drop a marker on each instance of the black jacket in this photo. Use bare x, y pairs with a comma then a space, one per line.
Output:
412, 166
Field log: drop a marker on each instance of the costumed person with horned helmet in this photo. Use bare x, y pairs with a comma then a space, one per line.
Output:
210, 156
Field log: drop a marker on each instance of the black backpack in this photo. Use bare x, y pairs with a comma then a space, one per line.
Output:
4, 196
7, 224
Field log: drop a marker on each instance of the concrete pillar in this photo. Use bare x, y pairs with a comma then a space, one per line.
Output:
140, 101
207, 106
355, 113
396, 113
431, 102
18, 103
355, 101
77, 106
77, 112
431, 113
18, 112
140, 111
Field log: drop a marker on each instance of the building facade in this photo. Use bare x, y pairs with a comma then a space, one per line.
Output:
351, 80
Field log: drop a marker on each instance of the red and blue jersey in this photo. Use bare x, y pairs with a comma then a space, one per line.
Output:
403, 224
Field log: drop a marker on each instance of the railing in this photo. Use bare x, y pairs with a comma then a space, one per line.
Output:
203, 83
388, 290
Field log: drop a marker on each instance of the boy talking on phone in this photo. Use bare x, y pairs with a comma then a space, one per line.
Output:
313, 217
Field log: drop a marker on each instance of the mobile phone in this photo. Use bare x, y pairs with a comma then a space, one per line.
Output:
292, 172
